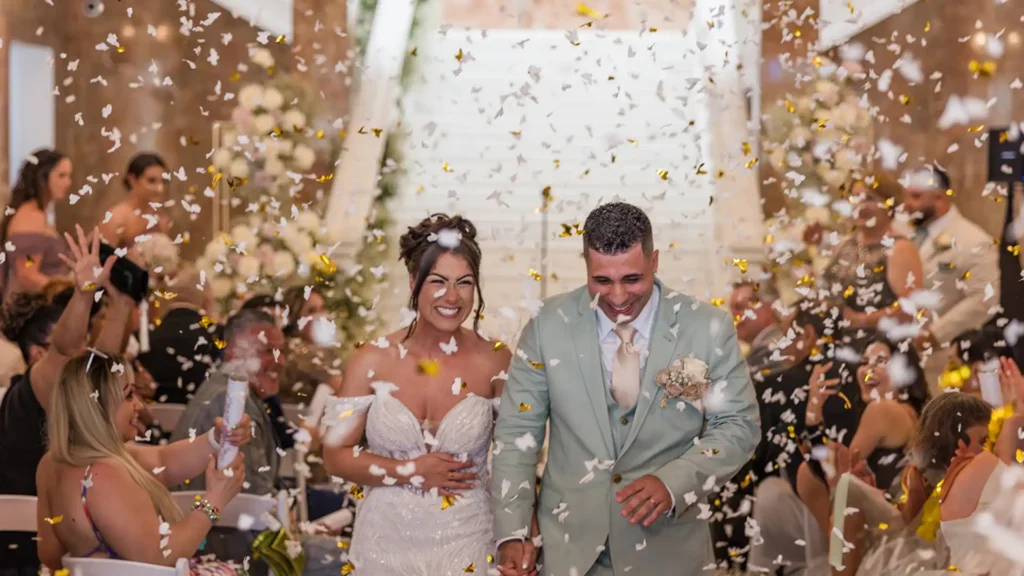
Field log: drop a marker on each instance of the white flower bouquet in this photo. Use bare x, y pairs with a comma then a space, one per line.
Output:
262, 254
270, 144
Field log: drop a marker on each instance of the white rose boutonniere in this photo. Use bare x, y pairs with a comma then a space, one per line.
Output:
943, 242
686, 378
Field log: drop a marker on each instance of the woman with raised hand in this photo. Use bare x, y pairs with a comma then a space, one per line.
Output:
109, 497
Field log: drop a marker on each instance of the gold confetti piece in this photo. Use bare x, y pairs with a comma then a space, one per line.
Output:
343, 545
419, 189
447, 502
220, 344
986, 68
751, 163
1020, 455
524, 407
905, 100
718, 302
700, 170
535, 275
429, 367
537, 365
120, 49
652, 29
517, 133
928, 26
850, 6
235, 77
279, 39
470, 569
584, 10
320, 134
822, 125
631, 141
663, 174
362, 130
740, 263
673, 244
57, 519
797, 33
746, 147
566, 231
356, 492
789, 107
558, 163
325, 178
846, 401
499, 346
414, 51
883, 526
848, 292
966, 275
459, 55
490, 559
1015, 249
347, 569
342, 133
61, 572
981, 128
613, 158
445, 167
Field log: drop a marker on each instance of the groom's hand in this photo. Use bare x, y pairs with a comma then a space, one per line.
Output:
646, 499
516, 558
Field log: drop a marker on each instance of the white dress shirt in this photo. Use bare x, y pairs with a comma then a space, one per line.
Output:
644, 325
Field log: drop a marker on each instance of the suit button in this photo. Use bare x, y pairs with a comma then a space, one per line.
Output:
624, 421
616, 478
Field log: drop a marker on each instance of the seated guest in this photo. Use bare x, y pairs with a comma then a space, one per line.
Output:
311, 359
112, 495
751, 305
248, 334
48, 336
181, 346
253, 335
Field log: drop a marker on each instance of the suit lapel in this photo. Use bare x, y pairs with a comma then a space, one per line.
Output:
588, 354
661, 348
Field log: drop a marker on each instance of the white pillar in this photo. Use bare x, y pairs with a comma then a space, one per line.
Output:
355, 179
739, 222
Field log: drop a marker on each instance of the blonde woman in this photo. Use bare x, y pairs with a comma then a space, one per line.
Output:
110, 495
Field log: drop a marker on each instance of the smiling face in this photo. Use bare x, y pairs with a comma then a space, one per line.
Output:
127, 416
750, 314
623, 283
149, 187
447, 296
873, 373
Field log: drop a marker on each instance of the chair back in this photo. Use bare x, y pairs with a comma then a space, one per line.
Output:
244, 512
18, 513
109, 567
167, 415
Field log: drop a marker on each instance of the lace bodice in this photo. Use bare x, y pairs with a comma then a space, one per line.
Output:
400, 529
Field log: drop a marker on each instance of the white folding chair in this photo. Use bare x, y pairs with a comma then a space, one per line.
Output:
18, 513
241, 506
167, 415
108, 567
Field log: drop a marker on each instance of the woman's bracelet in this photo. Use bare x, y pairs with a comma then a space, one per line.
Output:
204, 506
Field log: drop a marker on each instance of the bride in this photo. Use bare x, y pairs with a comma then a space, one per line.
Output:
425, 399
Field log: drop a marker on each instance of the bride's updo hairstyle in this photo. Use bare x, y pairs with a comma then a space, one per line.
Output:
423, 244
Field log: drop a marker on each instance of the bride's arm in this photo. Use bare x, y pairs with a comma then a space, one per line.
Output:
346, 458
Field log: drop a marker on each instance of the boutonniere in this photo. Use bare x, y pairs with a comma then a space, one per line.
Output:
943, 242
686, 378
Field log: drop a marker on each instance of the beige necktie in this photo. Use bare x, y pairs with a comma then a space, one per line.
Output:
626, 368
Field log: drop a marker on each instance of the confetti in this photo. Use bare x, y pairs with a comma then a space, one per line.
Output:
57, 519
429, 367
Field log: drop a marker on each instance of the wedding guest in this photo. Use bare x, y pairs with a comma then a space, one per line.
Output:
751, 305
139, 213
113, 494
48, 337
312, 360
249, 334
874, 266
182, 344
961, 264
37, 247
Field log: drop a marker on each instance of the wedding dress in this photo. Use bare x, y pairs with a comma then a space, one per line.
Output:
402, 530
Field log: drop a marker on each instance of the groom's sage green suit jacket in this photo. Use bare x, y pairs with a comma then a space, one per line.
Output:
556, 373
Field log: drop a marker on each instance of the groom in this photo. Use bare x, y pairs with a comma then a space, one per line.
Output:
633, 451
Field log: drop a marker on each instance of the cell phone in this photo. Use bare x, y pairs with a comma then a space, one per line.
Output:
126, 276
991, 391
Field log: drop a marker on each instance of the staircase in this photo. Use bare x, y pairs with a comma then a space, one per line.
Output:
838, 23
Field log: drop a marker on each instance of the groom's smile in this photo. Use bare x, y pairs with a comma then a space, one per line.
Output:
622, 283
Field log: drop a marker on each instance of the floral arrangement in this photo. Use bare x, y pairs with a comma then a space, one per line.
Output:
818, 142
687, 379
262, 254
270, 143
157, 253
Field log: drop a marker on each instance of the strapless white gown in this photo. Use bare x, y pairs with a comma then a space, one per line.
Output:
401, 530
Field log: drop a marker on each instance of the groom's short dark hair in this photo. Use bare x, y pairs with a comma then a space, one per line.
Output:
615, 228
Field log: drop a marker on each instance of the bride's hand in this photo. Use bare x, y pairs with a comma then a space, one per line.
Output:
444, 472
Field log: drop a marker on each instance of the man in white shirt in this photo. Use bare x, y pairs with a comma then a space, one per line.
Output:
961, 265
